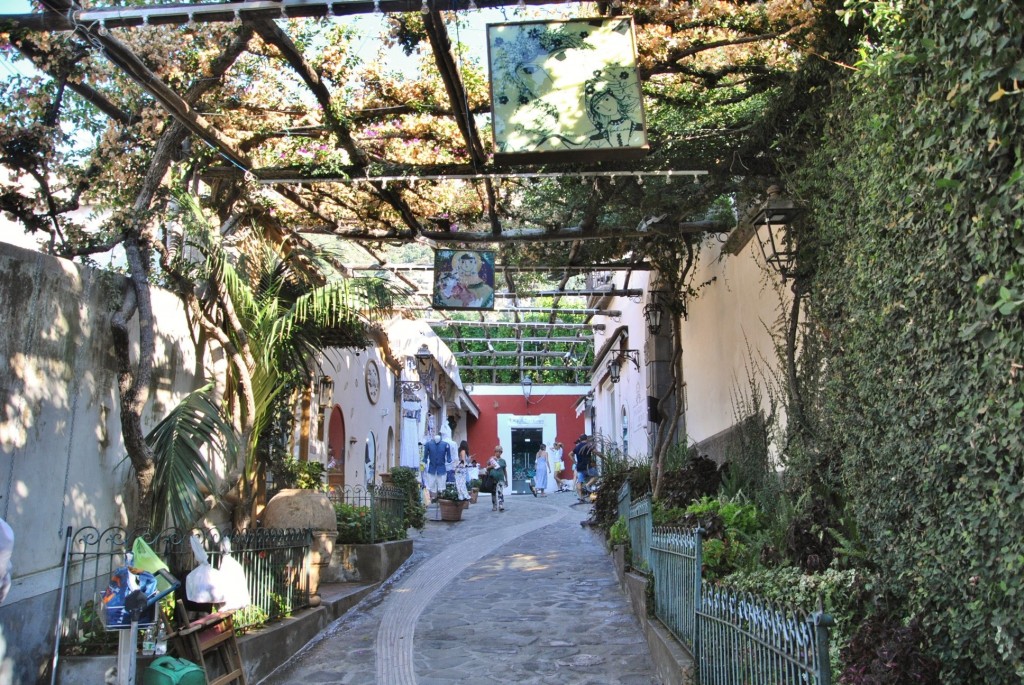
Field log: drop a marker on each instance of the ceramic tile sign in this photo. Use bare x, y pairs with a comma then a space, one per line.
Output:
463, 279
565, 91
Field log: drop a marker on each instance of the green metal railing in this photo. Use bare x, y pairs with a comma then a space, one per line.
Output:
676, 564
640, 526
744, 639
276, 565
736, 639
624, 500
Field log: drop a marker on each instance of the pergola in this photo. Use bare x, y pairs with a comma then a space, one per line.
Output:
518, 335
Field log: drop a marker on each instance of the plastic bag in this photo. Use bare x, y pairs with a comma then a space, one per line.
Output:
145, 558
203, 584
236, 589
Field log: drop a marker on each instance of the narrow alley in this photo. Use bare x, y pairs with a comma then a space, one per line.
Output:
523, 596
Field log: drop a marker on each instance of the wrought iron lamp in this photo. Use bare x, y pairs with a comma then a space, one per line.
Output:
779, 252
527, 384
615, 365
325, 391
652, 314
423, 358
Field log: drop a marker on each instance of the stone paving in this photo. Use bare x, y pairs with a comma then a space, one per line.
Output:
522, 596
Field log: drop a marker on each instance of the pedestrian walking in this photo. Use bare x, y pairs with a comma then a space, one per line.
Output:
558, 466
496, 469
541, 468
461, 469
583, 455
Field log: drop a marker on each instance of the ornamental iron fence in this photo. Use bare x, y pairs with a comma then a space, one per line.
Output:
675, 565
368, 515
640, 527
736, 638
275, 562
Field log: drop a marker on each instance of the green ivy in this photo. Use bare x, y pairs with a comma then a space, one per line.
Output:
915, 337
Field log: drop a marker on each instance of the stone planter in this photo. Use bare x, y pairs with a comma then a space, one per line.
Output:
385, 479
306, 509
473, 495
367, 563
450, 510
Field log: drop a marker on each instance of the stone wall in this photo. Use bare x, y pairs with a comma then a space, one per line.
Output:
62, 462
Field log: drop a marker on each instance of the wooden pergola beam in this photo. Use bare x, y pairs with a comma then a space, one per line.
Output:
179, 13
126, 60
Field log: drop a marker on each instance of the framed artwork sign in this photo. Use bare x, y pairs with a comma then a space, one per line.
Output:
564, 91
463, 279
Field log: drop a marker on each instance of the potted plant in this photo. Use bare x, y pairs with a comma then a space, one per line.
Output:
450, 504
474, 489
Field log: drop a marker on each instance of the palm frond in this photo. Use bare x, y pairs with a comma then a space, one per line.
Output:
183, 475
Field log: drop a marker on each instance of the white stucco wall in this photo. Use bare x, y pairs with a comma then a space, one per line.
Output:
727, 338
366, 424
621, 408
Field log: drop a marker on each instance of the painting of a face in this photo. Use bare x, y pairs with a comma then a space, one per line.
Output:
463, 279
468, 265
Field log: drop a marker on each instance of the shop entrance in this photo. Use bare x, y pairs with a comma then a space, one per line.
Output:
525, 443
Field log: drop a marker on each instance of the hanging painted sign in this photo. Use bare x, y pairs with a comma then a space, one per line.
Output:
463, 279
565, 91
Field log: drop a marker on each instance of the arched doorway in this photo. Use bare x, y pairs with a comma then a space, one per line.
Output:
336, 450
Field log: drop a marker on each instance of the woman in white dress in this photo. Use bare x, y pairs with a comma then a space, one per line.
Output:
543, 468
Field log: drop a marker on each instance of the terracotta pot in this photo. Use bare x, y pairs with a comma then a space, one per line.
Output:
450, 510
472, 495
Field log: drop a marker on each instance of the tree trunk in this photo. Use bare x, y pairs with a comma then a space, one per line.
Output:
134, 380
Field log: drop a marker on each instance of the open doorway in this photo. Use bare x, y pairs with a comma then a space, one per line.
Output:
525, 443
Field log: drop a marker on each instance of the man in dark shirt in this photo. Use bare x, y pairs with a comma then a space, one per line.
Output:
583, 455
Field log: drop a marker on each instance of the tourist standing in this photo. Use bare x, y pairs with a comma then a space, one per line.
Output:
461, 467
496, 469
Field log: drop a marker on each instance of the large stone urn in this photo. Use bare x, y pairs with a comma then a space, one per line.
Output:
306, 509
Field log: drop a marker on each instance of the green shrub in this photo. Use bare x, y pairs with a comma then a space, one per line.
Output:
840, 594
415, 511
618, 534
305, 475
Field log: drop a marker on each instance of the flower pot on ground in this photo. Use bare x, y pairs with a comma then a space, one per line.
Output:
473, 494
474, 489
450, 504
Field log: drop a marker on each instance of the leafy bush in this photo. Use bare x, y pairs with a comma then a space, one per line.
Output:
415, 511
886, 650
840, 594
915, 398
353, 523
728, 525
699, 477
618, 534
305, 475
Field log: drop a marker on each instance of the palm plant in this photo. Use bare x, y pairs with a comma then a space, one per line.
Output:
183, 478
272, 311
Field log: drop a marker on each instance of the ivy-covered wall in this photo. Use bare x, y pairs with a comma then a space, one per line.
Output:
915, 355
